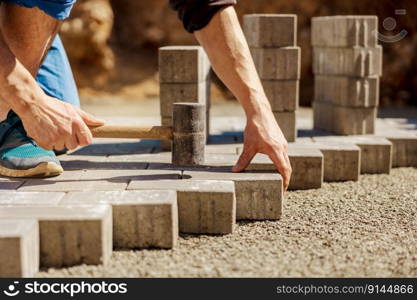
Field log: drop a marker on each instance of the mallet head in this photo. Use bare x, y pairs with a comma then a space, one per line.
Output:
189, 137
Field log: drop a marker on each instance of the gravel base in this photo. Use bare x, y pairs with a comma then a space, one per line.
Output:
354, 229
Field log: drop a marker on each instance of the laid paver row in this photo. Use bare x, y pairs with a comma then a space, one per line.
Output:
341, 158
160, 201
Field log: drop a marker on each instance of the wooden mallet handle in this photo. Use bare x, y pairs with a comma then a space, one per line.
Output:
133, 132
187, 133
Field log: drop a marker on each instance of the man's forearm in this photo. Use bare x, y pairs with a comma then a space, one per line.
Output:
230, 57
18, 88
229, 54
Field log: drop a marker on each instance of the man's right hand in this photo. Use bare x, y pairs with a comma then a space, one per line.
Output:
54, 124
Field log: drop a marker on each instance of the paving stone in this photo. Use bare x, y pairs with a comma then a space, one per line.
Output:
113, 180
69, 235
287, 123
19, 247
307, 168
222, 149
323, 116
347, 91
404, 148
397, 124
82, 162
204, 206
342, 161
376, 152
306, 162
10, 185
282, 94
67, 181
344, 31
87, 180
222, 139
259, 195
166, 172
360, 62
144, 219
171, 93
304, 140
90, 180
9, 198
344, 120
163, 157
222, 124
278, 63
105, 147
183, 64
354, 121
106, 180
270, 30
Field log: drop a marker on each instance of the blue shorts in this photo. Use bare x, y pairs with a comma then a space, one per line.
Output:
55, 75
58, 9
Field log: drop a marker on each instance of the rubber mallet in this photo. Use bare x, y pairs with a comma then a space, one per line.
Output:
187, 133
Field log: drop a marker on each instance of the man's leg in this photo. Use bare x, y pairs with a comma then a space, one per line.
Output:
55, 76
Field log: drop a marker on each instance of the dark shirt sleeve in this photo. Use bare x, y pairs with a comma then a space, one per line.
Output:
196, 14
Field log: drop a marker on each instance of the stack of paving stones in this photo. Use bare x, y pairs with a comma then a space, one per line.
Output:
184, 76
347, 63
272, 39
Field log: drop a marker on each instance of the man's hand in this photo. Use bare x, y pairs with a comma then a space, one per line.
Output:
263, 135
54, 124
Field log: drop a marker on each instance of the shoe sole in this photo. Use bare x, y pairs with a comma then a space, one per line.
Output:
45, 169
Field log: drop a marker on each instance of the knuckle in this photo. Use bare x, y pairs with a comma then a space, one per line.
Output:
63, 132
88, 138
276, 147
69, 146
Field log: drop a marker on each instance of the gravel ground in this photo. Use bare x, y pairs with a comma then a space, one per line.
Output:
361, 229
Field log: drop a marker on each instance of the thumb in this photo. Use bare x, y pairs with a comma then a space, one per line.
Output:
244, 160
90, 120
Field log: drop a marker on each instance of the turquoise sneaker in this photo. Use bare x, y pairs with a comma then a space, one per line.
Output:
20, 156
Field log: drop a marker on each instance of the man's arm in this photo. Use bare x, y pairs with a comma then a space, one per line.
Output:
229, 54
25, 35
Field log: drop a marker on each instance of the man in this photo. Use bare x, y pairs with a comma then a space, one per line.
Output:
38, 91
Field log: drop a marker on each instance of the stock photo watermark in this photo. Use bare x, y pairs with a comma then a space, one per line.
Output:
390, 24
60, 288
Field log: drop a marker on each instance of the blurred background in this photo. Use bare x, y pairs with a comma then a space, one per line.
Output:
112, 45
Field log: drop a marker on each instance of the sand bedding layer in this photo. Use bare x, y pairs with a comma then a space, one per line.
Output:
366, 228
